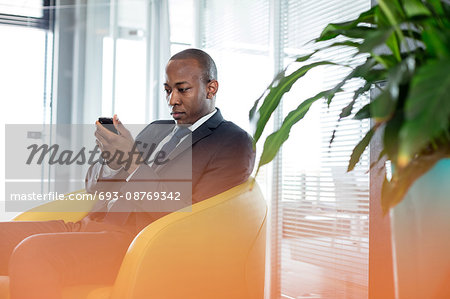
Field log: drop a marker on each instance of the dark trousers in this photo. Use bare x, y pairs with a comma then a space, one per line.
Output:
41, 257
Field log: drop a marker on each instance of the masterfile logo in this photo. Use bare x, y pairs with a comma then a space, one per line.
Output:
47, 163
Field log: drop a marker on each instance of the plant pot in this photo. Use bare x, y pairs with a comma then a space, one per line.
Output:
420, 227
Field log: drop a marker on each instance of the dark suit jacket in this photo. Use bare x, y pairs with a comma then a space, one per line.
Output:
222, 157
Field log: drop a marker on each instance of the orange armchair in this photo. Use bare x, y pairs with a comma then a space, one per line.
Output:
217, 250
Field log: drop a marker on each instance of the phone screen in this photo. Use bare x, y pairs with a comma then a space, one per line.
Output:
107, 122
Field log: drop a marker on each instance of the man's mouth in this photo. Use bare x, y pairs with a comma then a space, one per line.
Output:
176, 114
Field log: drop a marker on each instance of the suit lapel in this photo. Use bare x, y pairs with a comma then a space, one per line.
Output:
208, 127
201, 132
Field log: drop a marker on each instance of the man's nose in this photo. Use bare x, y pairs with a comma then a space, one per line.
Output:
173, 98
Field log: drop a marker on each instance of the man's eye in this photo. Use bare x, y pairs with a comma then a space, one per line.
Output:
183, 89
167, 91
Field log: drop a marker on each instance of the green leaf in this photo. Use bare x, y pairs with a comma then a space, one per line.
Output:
255, 105
392, 10
375, 75
358, 72
388, 61
374, 39
436, 6
359, 149
252, 112
347, 43
427, 109
382, 107
363, 69
400, 74
306, 57
333, 30
363, 113
276, 139
276, 92
380, 18
437, 42
347, 110
415, 8
393, 44
391, 136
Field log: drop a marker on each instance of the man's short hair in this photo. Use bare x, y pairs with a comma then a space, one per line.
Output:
203, 59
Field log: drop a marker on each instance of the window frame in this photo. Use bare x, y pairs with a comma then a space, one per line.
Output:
45, 22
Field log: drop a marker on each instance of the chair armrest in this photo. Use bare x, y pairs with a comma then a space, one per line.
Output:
59, 209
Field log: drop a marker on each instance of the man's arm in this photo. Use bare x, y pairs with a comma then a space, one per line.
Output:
230, 165
96, 181
99, 180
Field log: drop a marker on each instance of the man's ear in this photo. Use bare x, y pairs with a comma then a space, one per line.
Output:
212, 88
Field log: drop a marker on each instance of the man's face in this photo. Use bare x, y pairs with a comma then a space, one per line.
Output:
186, 91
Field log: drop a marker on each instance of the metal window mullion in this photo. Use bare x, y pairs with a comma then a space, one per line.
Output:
49, 15
45, 108
114, 35
154, 55
276, 40
148, 55
199, 31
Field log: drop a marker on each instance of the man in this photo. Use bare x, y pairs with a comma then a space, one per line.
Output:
54, 254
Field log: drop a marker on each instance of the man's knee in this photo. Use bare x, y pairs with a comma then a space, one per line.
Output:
30, 255
32, 272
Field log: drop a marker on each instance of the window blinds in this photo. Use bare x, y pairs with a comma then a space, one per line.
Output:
236, 35
324, 209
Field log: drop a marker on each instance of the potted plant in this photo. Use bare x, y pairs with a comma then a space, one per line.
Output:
407, 48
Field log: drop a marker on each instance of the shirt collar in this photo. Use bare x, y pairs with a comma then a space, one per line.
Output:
201, 121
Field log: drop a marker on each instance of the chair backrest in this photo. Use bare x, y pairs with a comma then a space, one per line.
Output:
215, 251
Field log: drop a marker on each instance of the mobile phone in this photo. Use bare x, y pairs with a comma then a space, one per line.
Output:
107, 122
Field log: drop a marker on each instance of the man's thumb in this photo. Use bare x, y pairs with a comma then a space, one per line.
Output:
118, 125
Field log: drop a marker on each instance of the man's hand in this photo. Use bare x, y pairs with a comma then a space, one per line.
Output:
116, 149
